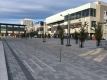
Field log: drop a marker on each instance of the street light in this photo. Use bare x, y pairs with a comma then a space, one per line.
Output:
68, 31
44, 39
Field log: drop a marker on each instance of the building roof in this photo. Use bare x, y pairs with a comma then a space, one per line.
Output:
11, 24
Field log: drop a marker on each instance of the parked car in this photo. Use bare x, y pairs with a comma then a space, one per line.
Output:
35, 36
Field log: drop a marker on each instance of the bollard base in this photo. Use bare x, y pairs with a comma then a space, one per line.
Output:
68, 45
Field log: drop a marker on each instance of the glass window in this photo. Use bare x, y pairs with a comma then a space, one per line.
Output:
93, 23
3, 27
9, 25
9, 29
78, 15
93, 12
73, 16
21, 29
49, 29
16, 28
66, 18
41, 29
85, 13
106, 13
22, 26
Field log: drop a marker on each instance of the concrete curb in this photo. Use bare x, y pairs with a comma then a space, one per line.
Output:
3, 68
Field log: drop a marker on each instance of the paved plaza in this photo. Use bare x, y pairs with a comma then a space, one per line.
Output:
43, 61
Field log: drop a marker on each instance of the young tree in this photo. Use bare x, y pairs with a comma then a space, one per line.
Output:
83, 34
98, 32
49, 35
61, 35
31, 34
76, 36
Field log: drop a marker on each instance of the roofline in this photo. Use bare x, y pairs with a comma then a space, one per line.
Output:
11, 24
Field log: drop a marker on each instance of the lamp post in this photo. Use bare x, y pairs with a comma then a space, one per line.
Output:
68, 32
44, 39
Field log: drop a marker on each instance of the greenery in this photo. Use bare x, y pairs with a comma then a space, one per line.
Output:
61, 35
49, 35
76, 36
98, 32
31, 34
83, 34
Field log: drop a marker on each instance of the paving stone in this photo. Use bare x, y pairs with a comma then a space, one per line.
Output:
76, 64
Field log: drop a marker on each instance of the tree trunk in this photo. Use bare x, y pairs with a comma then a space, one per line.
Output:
76, 41
81, 44
62, 41
98, 43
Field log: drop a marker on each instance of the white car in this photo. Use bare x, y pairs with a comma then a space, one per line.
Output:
35, 36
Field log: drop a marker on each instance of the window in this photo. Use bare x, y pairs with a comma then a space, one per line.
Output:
73, 16
16, 28
9, 29
66, 18
93, 23
49, 29
92, 12
41, 29
9, 25
3, 27
85, 13
21, 29
21, 26
78, 15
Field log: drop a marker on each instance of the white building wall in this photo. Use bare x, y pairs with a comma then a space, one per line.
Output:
28, 22
58, 17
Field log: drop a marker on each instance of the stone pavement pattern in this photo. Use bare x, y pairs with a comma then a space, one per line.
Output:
42, 60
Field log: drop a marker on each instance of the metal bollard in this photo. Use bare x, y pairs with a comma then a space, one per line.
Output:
60, 54
35, 46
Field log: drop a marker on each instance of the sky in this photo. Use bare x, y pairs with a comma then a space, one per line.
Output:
13, 11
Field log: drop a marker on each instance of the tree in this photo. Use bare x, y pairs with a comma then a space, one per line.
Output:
98, 32
83, 34
22, 35
76, 36
61, 35
49, 35
31, 34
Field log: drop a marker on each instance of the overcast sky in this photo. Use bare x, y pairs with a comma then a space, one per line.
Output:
12, 11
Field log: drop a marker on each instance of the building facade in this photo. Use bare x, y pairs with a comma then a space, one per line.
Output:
11, 29
90, 13
28, 22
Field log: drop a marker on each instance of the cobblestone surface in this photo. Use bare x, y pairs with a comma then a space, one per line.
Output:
15, 70
43, 60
